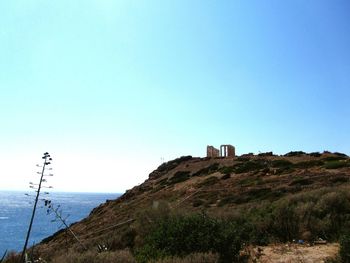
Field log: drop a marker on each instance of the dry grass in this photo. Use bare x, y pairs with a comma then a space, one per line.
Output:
193, 258
120, 256
288, 253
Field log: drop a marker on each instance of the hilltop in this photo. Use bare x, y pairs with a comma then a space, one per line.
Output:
294, 196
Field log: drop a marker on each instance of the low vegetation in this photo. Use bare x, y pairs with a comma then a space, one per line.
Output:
122, 256
344, 252
207, 210
198, 233
192, 258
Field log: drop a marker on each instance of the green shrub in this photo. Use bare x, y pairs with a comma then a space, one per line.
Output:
340, 179
225, 177
183, 235
295, 153
308, 164
334, 158
207, 170
165, 167
124, 239
341, 154
248, 181
283, 166
258, 193
179, 177
323, 213
147, 253
209, 181
197, 202
285, 224
344, 251
192, 258
208, 197
228, 200
226, 169
315, 154
244, 158
281, 163
266, 154
303, 181
336, 164
249, 166
163, 181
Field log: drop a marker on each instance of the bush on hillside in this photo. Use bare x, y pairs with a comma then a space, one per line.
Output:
207, 170
266, 154
226, 169
334, 158
249, 166
183, 235
281, 163
295, 153
225, 177
209, 181
192, 258
341, 154
322, 213
179, 177
344, 251
308, 164
315, 154
336, 164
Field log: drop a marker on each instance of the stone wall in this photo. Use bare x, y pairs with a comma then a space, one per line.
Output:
226, 150
212, 151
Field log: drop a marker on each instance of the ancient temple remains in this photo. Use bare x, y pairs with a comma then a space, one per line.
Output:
212, 151
226, 150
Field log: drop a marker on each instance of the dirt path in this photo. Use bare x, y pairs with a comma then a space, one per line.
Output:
292, 253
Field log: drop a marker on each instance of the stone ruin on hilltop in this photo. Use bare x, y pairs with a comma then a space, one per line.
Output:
226, 150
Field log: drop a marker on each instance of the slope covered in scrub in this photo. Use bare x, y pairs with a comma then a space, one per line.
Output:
261, 199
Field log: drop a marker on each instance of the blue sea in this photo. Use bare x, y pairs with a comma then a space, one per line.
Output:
16, 209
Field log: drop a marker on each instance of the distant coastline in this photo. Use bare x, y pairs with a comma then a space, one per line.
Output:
15, 210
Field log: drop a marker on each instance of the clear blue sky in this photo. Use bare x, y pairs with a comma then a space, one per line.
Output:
111, 87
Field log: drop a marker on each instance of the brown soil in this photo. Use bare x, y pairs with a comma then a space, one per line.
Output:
292, 253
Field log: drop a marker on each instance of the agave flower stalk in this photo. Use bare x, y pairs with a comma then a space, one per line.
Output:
47, 160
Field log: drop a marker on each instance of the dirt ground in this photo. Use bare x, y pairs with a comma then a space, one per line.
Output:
291, 253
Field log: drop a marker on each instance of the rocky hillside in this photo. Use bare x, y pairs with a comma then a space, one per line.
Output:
308, 187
